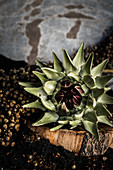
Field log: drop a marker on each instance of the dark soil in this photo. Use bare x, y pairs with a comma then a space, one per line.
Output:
19, 147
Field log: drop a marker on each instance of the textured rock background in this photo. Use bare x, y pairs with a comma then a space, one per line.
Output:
31, 29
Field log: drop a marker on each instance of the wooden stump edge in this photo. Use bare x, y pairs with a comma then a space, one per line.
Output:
79, 142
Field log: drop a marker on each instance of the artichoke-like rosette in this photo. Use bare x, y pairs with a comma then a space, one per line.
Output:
72, 93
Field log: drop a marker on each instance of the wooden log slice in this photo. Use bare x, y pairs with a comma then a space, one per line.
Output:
79, 142
92, 147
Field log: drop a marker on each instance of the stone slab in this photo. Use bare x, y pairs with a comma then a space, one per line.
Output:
33, 29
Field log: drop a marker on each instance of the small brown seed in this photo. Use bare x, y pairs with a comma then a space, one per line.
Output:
7, 92
17, 115
16, 92
21, 95
4, 98
14, 77
104, 158
33, 110
2, 105
74, 166
5, 126
1, 95
3, 84
14, 71
14, 102
17, 120
15, 96
11, 124
23, 102
8, 138
15, 110
17, 127
94, 165
28, 161
20, 110
7, 143
30, 157
20, 98
13, 117
12, 144
3, 143
11, 89
35, 164
9, 113
7, 106
11, 104
0, 91
6, 120
28, 114
10, 134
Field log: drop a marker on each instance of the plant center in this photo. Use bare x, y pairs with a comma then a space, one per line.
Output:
69, 95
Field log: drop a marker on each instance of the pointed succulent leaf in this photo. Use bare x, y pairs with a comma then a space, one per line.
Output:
29, 84
40, 64
88, 81
96, 93
67, 62
57, 63
107, 89
105, 120
90, 122
63, 122
39, 92
56, 128
91, 127
48, 104
49, 117
106, 99
50, 86
90, 115
41, 76
83, 103
85, 88
74, 75
90, 101
101, 81
35, 104
53, 74
97, 71
86, 68
66, 118
79, 58
74, 123
102, 113
78, 116
101, 110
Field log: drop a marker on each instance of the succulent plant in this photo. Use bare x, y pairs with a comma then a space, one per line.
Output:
72, 93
